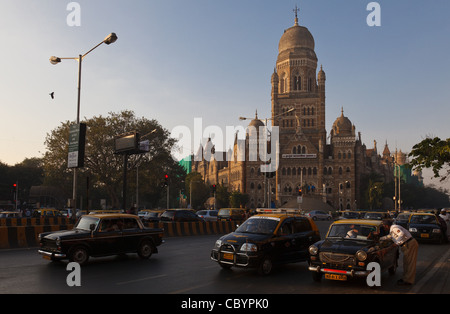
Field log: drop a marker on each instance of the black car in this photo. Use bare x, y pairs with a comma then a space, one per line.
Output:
101, 235
350, 245
402, 220
426, 228
180, 215
266, 239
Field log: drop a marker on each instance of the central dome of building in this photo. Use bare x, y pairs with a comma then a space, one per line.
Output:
296, 41
296, 37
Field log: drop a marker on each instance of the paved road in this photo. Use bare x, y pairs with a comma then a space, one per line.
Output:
183, 266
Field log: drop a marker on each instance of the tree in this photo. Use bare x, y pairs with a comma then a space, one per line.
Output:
237, 199
197, 189
102, 166
375, 194
432, 153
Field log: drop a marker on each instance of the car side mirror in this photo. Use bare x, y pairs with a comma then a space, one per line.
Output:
92, 227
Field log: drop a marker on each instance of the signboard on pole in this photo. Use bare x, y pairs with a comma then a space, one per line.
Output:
77, 140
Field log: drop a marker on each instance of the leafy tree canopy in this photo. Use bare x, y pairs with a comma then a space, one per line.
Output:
432, 153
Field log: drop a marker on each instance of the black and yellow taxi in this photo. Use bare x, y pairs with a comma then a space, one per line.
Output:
101, 235
349, 246
425, 227
266, 239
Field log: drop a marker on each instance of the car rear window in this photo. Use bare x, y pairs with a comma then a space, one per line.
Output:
224, 212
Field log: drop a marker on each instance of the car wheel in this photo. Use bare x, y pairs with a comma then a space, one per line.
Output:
145, 249
265, 268
79, 255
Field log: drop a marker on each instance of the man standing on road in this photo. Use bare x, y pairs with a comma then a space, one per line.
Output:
409, 247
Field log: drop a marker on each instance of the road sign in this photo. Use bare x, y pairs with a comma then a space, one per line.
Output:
77, 139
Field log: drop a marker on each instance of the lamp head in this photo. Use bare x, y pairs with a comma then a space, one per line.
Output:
111, 38
55, 60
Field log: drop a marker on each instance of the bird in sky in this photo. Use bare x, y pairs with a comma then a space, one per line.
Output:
52, 94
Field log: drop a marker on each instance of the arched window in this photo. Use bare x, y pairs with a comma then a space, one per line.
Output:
297, 82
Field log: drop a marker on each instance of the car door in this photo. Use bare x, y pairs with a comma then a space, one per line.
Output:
304, 236
131, 234
286, 242
108, 240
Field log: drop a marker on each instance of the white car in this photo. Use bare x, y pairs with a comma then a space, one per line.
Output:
319, 215
208, 215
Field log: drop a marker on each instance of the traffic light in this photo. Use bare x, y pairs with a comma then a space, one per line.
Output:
166, 180
299, 192
213, 188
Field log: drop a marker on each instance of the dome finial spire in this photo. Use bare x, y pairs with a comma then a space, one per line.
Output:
296, 10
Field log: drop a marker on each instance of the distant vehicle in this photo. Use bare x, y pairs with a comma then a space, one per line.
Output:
208, 215
376, 215
46, 212
150, 215
425, 227
350, 215
231, 214
402, 220
319, 215
101, 235
180, 215
9, 214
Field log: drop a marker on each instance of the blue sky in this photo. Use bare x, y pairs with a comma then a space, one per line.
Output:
177, 60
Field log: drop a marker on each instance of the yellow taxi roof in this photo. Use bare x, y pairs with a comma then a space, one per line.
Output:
358, 222
112, 215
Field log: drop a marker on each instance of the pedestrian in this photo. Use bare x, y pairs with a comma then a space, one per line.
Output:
409, 247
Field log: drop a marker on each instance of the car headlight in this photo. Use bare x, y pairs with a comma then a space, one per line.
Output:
436, 230
249, 247
361, 255
218, 244
313, 250
412, 229
58, 241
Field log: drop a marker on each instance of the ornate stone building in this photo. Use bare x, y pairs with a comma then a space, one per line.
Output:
326, 169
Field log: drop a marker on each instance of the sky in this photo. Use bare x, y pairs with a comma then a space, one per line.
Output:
180, 61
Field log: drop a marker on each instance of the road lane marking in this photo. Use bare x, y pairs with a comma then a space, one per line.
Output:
418, 286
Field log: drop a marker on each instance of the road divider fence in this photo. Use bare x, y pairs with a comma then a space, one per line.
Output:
24, 232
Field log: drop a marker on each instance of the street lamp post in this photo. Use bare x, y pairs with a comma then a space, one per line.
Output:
111, 38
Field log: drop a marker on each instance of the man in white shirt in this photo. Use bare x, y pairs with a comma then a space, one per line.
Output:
409, 247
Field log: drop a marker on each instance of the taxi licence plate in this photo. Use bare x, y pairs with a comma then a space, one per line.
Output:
424, 235
336, 277
228, 256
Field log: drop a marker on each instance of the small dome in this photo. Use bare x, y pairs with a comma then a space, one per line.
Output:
343, 125
256, 122
321, 75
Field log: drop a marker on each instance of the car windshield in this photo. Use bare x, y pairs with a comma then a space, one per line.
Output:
351, 231
377, 216
422, 219
259, 225
85, 222
403, 216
